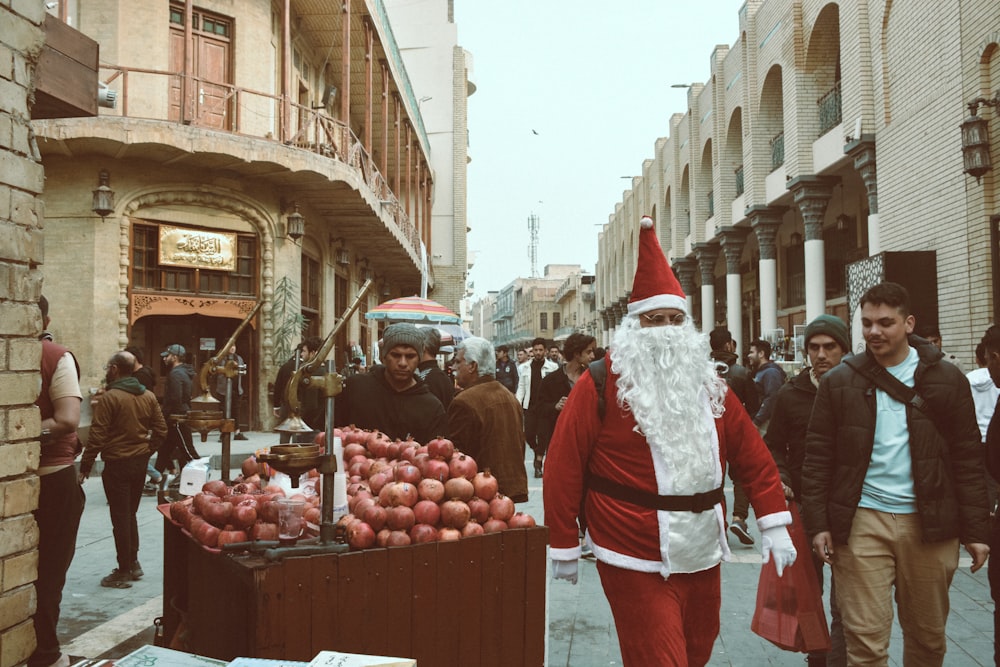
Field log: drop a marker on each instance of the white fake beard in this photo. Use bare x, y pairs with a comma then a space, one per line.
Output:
662, 374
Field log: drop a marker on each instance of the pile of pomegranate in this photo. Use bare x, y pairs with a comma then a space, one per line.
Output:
399, 492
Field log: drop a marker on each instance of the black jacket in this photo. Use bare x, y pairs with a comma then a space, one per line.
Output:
786, 434
947, 467
437, 381
739, 380
177, 395
368, 402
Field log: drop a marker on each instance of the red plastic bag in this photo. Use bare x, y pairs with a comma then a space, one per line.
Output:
789, 611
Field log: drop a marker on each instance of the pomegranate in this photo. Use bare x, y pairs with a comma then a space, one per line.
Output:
229, 534
392, 450
360, 536
479, 508
494, 526
400, 518
462, 466
485, 485
398, 538
502, 507
264, 531
218, 514
408, 473
207, 534
379, 480
201, 500
472, 528
423, 532
359, 507
436, 469
267, 511
216, 487
441, 448
180, 511
454, 513
375, 516
354, 449
427, 511
431, 489
521, 520
458, 487
313, 515
249, 466
447, 534
382, 537
244, 516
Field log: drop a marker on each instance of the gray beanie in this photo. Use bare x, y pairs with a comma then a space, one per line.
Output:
402, 334
830, 325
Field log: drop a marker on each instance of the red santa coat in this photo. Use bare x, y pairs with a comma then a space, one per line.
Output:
634, 537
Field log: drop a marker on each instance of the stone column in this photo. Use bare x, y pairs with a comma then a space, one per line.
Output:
733, 240
707, 254
765, 221
812, 194
863, 153
684, 268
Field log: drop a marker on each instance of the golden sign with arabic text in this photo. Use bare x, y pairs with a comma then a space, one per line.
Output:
197, 249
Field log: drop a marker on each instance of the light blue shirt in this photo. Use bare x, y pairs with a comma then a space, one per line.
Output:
888, 485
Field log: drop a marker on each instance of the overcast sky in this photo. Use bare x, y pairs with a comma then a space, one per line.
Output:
592, 79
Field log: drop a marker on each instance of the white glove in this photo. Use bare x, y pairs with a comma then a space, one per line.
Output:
565, 569
776, 542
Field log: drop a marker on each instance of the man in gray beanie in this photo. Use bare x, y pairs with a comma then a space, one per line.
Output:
826, 343
390, 398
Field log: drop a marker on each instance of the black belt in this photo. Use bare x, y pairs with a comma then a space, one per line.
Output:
698, 502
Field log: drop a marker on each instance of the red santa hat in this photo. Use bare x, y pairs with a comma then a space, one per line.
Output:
655, 285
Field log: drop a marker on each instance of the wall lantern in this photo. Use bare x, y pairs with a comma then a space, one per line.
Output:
295, 224
976, 138
104, 196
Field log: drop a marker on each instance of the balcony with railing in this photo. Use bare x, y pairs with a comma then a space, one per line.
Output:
777, 150
830, 112
740, 188
568, 288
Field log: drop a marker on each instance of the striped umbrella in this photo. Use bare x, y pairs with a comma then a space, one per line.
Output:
412, 309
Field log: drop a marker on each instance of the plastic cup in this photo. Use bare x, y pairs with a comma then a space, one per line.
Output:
290, 521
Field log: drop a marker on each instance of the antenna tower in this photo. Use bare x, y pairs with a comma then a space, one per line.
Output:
533, 224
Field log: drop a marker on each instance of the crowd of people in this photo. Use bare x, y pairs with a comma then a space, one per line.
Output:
883, 453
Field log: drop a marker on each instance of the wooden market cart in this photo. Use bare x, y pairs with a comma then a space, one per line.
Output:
478, 601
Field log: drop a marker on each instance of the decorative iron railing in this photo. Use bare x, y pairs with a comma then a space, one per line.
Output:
739, 181
830, 112
251, 113
711, 203
777, 150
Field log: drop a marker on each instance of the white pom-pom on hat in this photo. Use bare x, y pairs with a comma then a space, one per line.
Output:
646, 222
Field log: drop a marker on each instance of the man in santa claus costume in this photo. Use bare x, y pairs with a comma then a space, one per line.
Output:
648, 469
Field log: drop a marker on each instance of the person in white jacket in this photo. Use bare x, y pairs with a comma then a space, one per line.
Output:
984, 392
530, 376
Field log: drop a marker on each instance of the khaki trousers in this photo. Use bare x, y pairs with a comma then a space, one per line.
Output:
885, 551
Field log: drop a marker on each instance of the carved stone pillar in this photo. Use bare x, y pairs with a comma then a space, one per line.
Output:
863, 153
684, 269
812, 195
765, 221
733, 240
707, 254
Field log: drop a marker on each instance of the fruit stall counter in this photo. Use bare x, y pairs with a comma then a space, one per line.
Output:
475, 601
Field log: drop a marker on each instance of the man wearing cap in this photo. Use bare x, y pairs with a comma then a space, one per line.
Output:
653, 461
428, 371
891, 485
389, 397
826, 342
179, 444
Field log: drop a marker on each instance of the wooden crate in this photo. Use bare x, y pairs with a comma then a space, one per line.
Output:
476, 601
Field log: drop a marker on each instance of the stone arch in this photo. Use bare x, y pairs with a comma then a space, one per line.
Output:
216, 198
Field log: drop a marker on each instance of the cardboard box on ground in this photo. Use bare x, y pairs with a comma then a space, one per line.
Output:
154, 656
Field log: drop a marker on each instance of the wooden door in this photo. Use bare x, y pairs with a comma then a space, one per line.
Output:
209, 99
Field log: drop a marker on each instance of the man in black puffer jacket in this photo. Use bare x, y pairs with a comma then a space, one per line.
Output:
889, 490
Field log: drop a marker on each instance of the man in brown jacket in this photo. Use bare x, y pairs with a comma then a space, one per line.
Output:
485, 418
127, 428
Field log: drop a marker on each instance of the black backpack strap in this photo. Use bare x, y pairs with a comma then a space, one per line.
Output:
887, 382
599, 372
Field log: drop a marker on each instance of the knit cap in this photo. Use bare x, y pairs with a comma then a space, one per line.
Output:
832, 326
402, 333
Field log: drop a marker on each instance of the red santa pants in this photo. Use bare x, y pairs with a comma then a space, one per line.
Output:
669, 622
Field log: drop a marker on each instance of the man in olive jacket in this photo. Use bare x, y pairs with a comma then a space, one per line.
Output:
485, 418
890, 490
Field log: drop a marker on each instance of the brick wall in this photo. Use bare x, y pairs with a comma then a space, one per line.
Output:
20, 284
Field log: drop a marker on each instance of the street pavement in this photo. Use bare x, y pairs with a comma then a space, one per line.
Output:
109, 623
